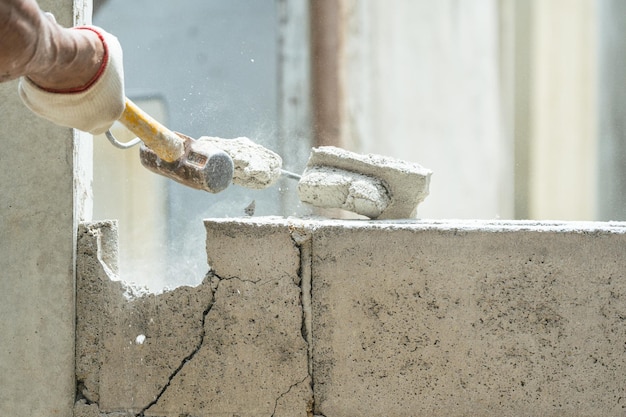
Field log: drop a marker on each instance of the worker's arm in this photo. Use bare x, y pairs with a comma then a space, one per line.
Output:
73, 77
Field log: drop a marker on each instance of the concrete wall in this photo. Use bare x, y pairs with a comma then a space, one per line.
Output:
45, 184
233, 345
344, 318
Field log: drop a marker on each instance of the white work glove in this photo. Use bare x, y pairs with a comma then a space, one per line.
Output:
93, 110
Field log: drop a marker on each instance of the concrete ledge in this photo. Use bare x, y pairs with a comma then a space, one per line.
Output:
343, 318
469, 318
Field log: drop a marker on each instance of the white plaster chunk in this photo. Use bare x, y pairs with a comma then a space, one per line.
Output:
375, 186
256, 167
336, 188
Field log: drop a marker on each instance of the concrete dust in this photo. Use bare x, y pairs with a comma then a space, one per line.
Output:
370, 185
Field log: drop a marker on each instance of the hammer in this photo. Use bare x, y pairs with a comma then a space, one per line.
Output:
193, 163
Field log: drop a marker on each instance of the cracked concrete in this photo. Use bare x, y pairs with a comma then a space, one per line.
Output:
231, 346
110, 358
314, 318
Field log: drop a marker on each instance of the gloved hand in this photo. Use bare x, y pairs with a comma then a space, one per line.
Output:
93, 108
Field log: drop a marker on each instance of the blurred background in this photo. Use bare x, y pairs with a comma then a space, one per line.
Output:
519, 107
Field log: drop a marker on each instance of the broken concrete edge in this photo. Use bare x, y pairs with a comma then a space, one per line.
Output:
102, 301
307, 226
97, 241
301, 230
105, 234
105, 315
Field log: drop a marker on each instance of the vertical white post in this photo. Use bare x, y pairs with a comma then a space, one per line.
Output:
421, 83
44, 181
562, 145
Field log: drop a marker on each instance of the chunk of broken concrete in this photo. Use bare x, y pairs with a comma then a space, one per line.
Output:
375, 186
256, 167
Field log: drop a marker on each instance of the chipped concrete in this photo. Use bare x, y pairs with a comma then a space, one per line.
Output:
109, 359
337, 188
233, 344
342, 318
376, 186
256, 167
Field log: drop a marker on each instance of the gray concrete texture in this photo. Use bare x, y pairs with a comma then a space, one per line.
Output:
45, 190
364, 318
448, 321
230, 346
375, 186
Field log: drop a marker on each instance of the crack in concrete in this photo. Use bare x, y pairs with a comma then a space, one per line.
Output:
287, 392
189, 357
252, 281
303, 244
302, 240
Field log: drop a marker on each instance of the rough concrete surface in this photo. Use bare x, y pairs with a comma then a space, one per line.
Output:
231, 346
45, 184
328, 187
304, 317
256, 167
123, 339
375, 186
444, 320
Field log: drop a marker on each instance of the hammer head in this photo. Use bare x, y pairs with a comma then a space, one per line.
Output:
202, 166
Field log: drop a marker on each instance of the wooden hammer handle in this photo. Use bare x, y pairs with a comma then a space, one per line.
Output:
165, 143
